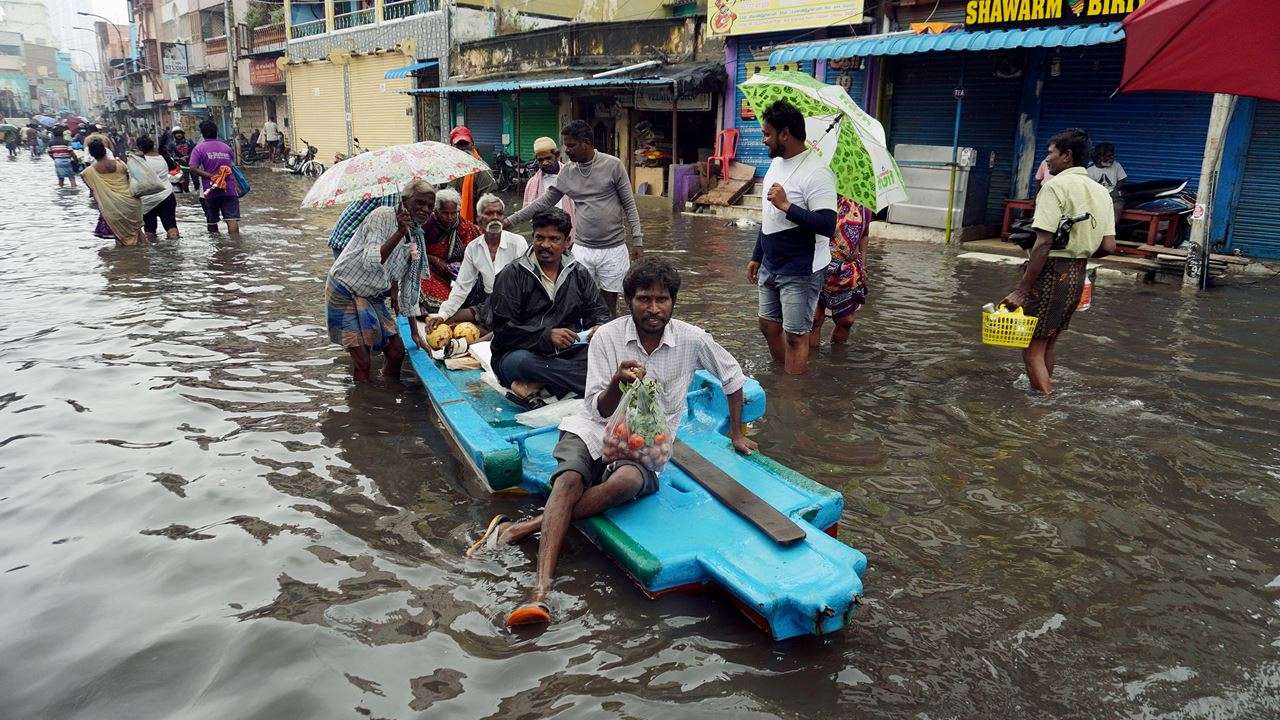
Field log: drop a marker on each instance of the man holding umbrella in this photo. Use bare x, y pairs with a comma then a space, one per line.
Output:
793, 248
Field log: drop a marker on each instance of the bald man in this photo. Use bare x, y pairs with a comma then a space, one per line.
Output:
548, 157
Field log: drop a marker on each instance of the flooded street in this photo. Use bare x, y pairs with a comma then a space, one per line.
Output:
202, 518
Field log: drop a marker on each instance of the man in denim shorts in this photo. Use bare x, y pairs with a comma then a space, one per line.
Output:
793, 248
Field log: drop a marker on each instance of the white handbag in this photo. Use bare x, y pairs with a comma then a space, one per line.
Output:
142, 179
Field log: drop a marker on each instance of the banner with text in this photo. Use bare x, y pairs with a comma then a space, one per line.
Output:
746, 17
1027, 13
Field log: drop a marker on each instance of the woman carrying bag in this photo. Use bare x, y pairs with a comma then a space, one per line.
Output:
109, 180
163, 205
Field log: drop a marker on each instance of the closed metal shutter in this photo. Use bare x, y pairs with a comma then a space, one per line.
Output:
484, 119
538, 118
1157, 134
1255, 225
381, 115
923, 107
318, 108
751, 50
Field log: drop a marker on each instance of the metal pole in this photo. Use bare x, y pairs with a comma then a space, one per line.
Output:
234, 140
1196, 273
955, 155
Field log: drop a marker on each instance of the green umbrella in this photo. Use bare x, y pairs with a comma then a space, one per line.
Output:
851, 140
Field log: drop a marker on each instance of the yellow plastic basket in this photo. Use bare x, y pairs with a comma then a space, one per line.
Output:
1008, 329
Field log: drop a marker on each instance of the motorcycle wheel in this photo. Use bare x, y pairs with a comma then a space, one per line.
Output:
313, 169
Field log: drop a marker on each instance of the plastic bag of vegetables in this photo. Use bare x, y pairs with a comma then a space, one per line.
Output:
638, 430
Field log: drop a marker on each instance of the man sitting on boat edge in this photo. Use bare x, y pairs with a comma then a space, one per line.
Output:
646, 342
540, 304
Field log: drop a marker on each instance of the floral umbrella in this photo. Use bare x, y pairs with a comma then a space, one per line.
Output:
865, 170
384, 172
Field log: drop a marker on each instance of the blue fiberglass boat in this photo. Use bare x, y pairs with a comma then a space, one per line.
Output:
681, 537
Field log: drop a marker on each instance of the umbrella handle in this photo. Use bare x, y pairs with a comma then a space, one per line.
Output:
834, 122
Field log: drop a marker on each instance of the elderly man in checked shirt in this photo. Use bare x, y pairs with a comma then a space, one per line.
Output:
383, 260
647, 342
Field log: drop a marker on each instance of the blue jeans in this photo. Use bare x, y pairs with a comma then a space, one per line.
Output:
790, 299
561, 374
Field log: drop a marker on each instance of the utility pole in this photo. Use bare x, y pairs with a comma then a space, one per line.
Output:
1196, 273
232, 96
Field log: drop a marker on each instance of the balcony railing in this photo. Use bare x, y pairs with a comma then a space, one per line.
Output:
215, 45
405, 8
264, 35
353, 19
307, 29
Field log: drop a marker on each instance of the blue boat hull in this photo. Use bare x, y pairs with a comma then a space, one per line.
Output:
681, 537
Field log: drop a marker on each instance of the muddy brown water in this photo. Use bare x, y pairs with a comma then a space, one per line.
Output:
201, 517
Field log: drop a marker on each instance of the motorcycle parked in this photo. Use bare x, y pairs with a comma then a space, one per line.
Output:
304, 163
509, 173
251, 151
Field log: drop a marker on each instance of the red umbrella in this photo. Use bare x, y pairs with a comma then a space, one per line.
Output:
1212, 46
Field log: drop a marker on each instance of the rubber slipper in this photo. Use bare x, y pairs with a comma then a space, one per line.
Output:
528, 402
534, 613
489, 538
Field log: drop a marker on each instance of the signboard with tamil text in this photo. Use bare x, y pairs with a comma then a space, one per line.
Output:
660, 99
1026, 13
746, 17
264, 71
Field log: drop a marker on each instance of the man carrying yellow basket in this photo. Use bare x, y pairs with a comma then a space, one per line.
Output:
1053, 277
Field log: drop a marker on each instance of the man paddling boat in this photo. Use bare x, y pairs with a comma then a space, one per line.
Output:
645, 343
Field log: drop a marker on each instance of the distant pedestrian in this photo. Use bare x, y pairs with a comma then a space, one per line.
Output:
793, 248
180, 151
271, 136
220, 196
64, 161
472, 186
603, 204
12, 139
120, 213
1052, 280
161, 206
547, 156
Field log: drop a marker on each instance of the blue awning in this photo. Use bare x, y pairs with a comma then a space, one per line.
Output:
956, 40
408, 70
498, 86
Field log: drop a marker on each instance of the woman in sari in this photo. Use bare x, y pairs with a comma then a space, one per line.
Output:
845, 289
447, 237
108, 180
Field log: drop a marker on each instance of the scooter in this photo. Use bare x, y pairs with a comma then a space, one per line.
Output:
508, 172
304, 163
250, 150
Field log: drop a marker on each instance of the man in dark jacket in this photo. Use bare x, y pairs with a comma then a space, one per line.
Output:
540, 303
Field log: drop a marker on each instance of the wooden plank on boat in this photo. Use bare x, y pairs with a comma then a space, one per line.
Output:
726, 193
777, 526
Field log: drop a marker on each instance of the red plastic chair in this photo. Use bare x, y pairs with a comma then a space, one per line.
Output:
726, 151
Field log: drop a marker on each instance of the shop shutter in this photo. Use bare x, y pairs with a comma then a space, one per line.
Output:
1255, 225
1157, 134
317, 108
381, 115
538, 118
923, 107
751, 149
484, 120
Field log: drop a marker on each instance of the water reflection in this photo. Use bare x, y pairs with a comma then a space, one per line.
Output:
203, 518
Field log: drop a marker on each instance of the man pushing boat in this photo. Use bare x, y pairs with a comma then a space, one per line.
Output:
646, 343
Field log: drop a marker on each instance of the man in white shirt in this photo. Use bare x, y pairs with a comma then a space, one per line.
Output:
481, 261
793, 249
271, 136
1105, 170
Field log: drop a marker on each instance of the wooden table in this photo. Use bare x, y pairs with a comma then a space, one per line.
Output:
1172, 221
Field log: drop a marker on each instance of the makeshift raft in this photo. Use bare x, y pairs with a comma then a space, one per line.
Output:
683, 537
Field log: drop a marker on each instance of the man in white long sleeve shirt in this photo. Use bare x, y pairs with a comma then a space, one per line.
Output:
481, 261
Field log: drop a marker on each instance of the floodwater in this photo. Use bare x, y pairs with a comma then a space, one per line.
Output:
201, 517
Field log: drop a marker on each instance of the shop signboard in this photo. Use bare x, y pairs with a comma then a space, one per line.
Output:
1027, 13
747, 17
264, 71
661, 99
173, 58
198, 97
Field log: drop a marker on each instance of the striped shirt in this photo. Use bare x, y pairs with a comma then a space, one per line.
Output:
360, 267
684, 349
354, 214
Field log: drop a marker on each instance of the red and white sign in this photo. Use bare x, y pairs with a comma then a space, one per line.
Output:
265, 72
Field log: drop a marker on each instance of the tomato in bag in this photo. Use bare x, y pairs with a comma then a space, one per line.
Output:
638, 430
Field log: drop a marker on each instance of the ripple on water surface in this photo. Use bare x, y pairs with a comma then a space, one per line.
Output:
202, 518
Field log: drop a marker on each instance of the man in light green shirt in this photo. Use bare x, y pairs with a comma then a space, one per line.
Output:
1053, 279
